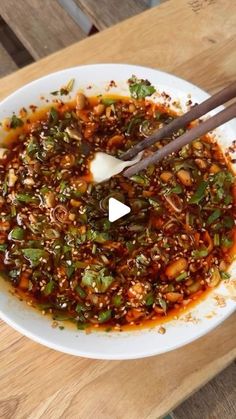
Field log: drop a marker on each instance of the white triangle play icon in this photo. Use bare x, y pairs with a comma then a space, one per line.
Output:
116, 209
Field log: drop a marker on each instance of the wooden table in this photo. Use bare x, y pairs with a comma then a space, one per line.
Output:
194, 39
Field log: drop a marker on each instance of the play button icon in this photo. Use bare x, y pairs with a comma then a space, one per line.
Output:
116, 209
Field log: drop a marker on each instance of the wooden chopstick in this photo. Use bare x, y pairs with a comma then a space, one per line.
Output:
199, 130
181, 122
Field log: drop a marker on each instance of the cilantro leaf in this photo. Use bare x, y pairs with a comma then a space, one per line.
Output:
140, 88
49, 287
34, 255
199, 194
97, 279
16, 122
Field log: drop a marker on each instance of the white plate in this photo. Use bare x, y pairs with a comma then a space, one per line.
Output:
94, 79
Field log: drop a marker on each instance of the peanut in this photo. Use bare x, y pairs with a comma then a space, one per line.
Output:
176, 267
184, 177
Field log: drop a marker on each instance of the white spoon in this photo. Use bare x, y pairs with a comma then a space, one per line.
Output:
104, 166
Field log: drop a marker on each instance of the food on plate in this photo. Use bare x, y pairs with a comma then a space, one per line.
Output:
57, 246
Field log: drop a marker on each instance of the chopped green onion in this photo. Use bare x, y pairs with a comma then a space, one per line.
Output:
104, 316
182, 276
54, 93
17, 234
130, 246
150, 170
32, 147
80, 265
62, 317
66, 249
82, 326
149, 299
70, 269
216, 239
108, 101
80, 307
26, 198
97, 236
13, 211
201, 253
3, 247
177, 189
83, 218
132, 123
53, 116
140, 180
80, 291
44, 306
225, 275
94, 249
158, 115
199, 194
106, 225
63, 185
214, 216
228, 200
155, 203
184, 164
5, 187
66, 89
49, 287
117, 300
162, 303
228, 221
108, 329
52, 234
191, 219
226, 242
223, 177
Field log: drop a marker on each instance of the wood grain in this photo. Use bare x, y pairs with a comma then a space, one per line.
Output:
215, 400
42, 26
50, 385
221, 62
7, 65
40, 383
13, 46
170, 25
105, 13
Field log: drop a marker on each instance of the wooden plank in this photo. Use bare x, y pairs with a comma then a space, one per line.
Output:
38, 383
215, 400
7, 65
148, 388
42, 26
77, 15
105, 13
13, 46
222, 61
172, 50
